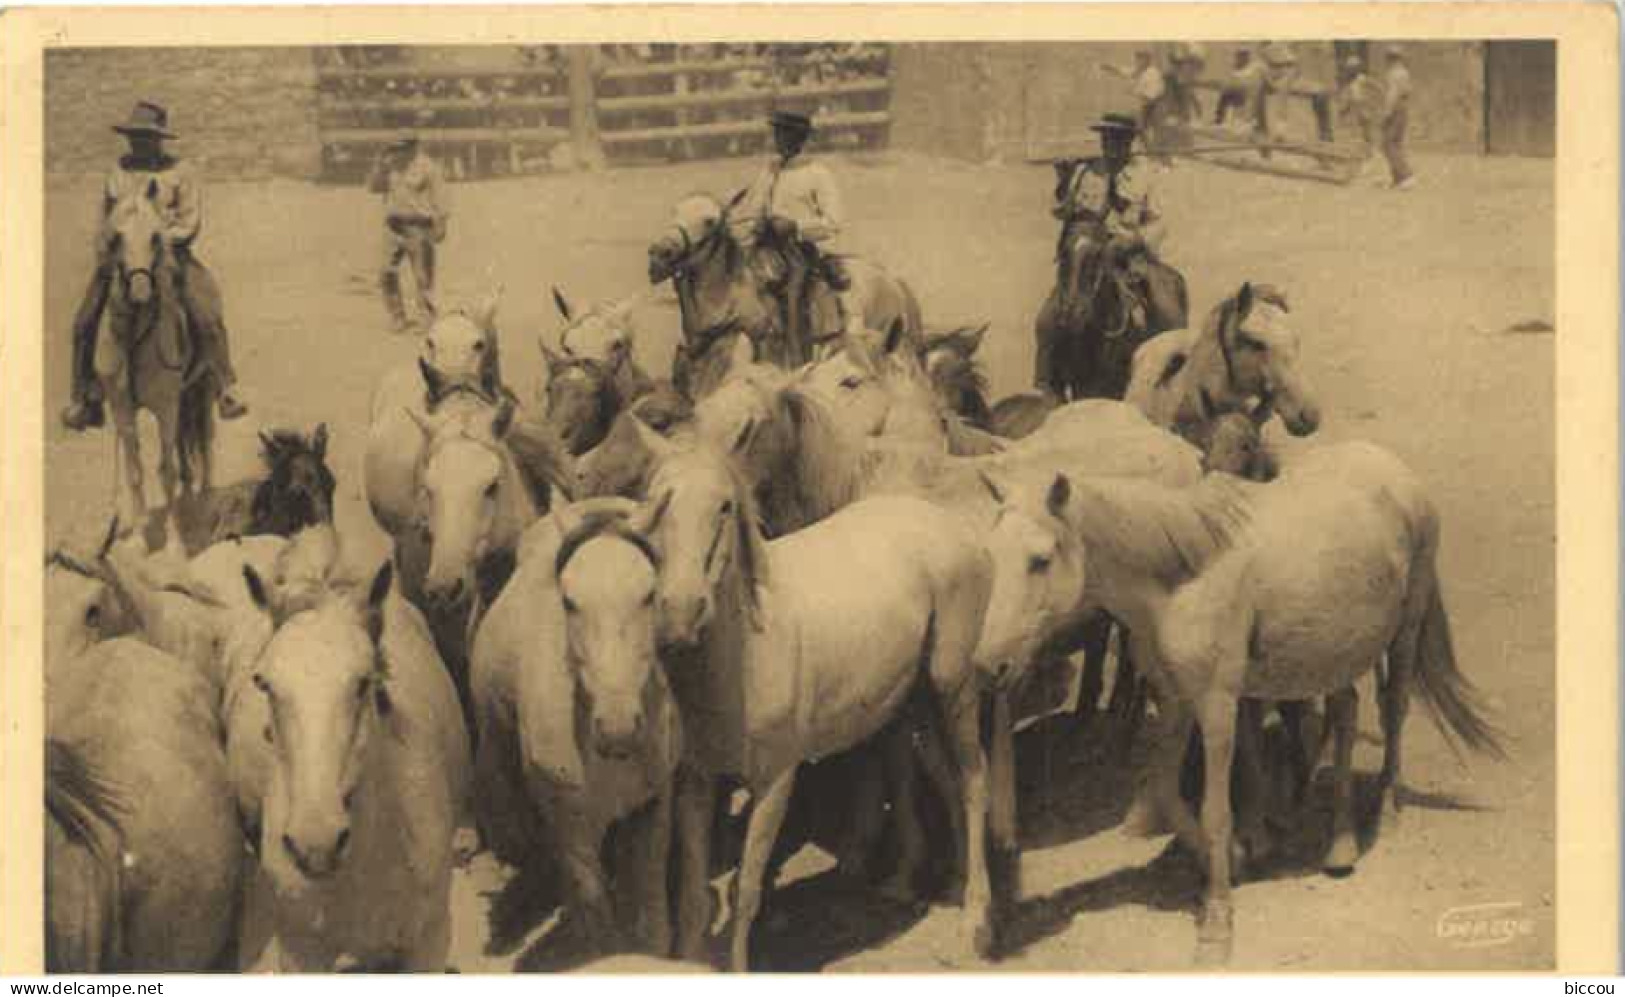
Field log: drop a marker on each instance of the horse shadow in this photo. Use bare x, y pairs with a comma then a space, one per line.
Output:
1073, 785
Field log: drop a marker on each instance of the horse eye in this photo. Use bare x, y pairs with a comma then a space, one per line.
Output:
491, 490
1040, 563
261, 684
569, 605
727, 508
1248, 343
479, 346
649, 598
268, 737
851, 381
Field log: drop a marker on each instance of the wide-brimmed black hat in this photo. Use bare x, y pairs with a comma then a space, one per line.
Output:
146, 118
1116, 124
790, 120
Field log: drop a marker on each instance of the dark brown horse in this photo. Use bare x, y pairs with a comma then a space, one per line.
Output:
1099, 313
295, 491
594, 375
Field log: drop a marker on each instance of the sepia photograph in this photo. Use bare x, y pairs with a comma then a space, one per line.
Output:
858, 504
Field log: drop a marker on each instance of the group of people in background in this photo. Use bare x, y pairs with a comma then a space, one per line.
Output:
1371, 105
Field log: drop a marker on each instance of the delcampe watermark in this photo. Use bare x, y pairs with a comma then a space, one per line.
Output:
1476, 926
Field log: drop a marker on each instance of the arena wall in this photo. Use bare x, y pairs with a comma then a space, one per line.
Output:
245, 112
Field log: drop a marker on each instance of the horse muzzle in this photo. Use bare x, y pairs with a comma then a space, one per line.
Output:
139, 285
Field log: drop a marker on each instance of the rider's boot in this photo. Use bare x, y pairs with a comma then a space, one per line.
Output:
83, 415
231, 406
86, 410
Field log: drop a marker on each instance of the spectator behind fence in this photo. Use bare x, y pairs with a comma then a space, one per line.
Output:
1241, 91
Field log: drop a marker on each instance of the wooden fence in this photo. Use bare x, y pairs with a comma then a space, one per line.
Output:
584, 106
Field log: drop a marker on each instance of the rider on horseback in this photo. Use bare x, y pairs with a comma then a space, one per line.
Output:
180, 202
791, 216
1111, 229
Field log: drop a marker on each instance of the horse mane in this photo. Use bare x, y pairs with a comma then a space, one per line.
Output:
1169, 534
832, 474
597, 523
278, 451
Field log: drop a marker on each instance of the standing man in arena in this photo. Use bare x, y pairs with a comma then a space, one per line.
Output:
179, 200
415, 217
1396, 117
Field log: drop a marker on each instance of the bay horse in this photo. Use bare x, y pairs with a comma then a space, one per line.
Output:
593, 377
367, 780
1224, 591
294, 491
578, 729
618, 465
777, 658
722, 298
1091, 323
135, 751
950, 360
144, 359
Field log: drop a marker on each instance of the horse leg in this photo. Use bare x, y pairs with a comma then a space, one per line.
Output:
1097, 635
1342, 713
1216, 923
640, 884
433, 947
168, 426
902, 778
867, 810
964, 723
1396, 701
1002, 814
129, 439
695, 799
1251, 840
1158, 805
766, 817
580, 840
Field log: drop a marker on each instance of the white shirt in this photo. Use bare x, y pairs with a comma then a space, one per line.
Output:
802, 191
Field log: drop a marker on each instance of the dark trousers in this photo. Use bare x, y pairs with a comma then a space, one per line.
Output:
411, 240
1230, 99
205, 317
1393, 145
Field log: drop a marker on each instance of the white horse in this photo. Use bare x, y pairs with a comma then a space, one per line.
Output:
367, 783
575, 625
1285, 591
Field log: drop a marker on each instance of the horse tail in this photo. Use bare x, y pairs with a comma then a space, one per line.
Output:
195, 429
85, 809
1448, 693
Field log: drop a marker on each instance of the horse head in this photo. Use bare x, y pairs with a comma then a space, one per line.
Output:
1038, 570
956, 375
607, 574
698, 223
462, 344
135, 237
466, 491
1233, 443
581, 397
875, 386
1260, 352
620, 464
326, 685
701, 516
298, 489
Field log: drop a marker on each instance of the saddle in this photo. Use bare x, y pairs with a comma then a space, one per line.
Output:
1091, 263
827, 278
176, 344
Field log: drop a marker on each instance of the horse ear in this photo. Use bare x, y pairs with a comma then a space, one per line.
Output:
1244, 300
503, 420
992, 486
973, 340
256, 589
1059, 491
485, 311
318, 442
562, 305
741, 442
894, 338
550, 356
1175, 364
377, 592
646, 518
733, 202
432, 381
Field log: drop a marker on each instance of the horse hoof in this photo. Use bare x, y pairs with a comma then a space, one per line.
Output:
1215, 934
1339, 862
1212, 953
983, 940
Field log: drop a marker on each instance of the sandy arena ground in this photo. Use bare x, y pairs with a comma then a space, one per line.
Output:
1405, 302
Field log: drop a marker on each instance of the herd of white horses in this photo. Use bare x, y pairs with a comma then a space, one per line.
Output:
258, 761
